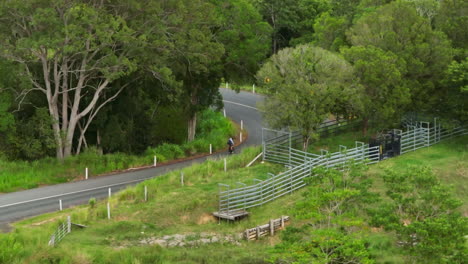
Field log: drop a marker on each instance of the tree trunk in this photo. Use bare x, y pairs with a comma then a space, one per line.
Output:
365, 125
305, 142
192, 126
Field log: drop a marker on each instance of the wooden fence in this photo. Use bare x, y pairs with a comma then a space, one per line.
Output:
265, 230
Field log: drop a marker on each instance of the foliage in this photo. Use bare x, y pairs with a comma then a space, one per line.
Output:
426, 52
323, 246
306, 84
15, 175
245, 37
11, 248
423, 213
384, 89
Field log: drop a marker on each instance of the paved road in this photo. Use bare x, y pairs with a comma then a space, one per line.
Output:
18, 205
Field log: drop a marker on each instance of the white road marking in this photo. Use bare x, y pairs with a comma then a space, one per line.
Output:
63, 194
240, 104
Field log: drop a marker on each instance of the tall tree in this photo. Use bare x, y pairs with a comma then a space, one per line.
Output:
385, 92
245, 37
305, 84
196, 55
71, 52
452, 19
426, 53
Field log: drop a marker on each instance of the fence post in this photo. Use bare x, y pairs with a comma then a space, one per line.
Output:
146, 193
68, 224
282, 221
182, 178
272, 228
258, 232
60, 204
108, 211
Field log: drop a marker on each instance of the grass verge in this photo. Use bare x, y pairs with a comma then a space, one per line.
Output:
212, 128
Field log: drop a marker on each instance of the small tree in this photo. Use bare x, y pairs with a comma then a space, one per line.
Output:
305, 85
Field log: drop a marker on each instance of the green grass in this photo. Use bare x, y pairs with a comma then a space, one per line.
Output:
171, 209
213, 129
175, 209
448, 159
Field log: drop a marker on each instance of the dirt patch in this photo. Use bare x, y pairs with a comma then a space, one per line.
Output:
44, 222
205, 218
5, 228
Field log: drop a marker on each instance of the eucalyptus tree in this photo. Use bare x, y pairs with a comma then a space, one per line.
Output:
305, 85
71, 52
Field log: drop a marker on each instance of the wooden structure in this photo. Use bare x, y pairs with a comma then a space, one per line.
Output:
267, 229
232, 215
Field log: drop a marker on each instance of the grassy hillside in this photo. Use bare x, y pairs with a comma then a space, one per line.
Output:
186, 210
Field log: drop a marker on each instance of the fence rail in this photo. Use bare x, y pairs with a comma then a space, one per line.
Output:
286, 182
62, 230
265, 230
300, 164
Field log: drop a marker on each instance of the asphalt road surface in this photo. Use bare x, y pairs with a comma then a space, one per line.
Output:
22, 204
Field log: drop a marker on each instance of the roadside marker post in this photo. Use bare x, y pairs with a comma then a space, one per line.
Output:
110, 192
155, 161
253, 88
182, 178
60, 204
211, 149
86, 173
225, 165
146, 193
108, 211
242, 124
241, 136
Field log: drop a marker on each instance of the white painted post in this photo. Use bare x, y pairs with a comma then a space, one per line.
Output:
182, 178
211, 149
225, 165
110, 192
224, 112
241, 136
253, 88
86, 173
146, 193
155, 161
108, 211
242, 125
60, 204
68, 224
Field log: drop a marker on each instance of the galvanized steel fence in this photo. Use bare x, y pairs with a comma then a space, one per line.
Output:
233, 200
279, 149
62, 230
